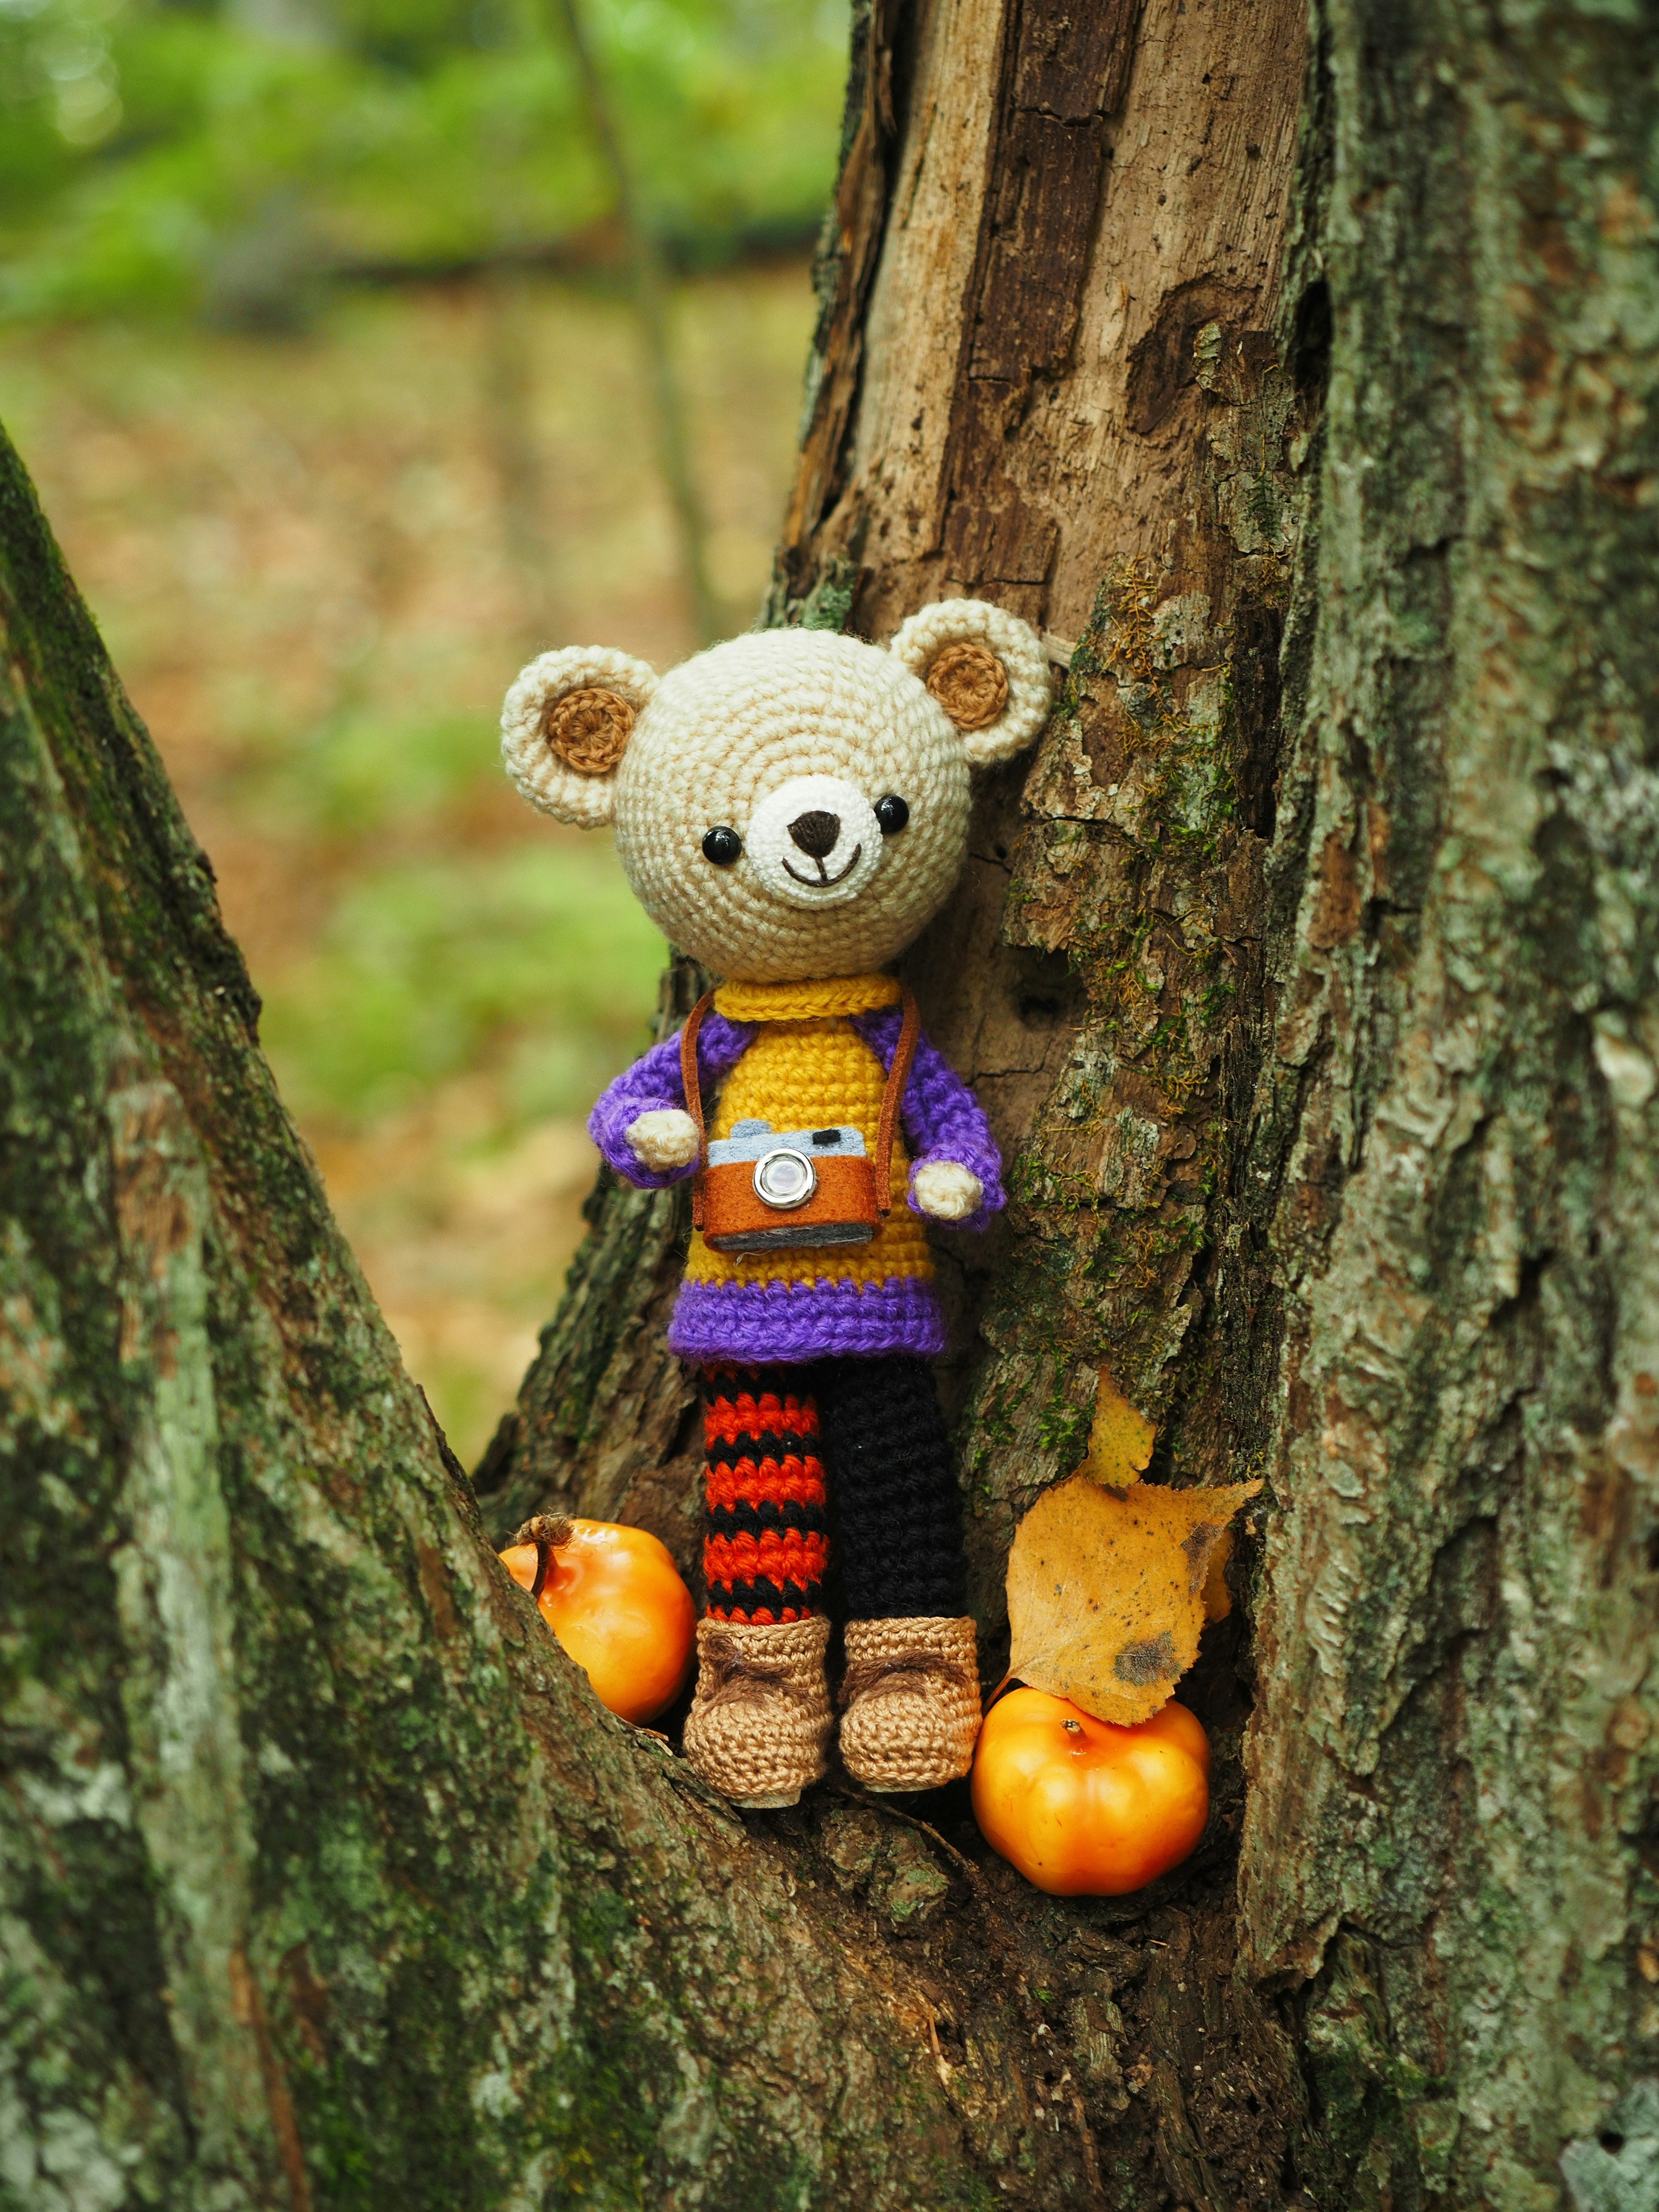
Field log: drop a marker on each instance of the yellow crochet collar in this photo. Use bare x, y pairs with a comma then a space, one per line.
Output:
805, 1002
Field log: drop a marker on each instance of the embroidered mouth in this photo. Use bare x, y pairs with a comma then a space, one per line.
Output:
822, 882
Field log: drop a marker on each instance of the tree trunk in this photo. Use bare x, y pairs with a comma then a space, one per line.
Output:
1309, 977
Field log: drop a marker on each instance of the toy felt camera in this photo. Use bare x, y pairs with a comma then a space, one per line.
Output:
763, 1191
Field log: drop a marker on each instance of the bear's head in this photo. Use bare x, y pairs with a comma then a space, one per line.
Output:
792, 804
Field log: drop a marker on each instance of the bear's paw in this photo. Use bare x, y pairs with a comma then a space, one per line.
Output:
946, 1191
663, 1139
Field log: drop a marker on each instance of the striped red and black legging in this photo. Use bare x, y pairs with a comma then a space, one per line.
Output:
860, 1441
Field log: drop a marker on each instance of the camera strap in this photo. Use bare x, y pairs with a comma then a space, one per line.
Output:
892, 1098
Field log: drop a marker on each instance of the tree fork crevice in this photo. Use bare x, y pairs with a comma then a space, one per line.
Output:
1099, 973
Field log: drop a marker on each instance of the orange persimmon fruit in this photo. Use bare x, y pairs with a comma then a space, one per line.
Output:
1085, 1808
614, 1598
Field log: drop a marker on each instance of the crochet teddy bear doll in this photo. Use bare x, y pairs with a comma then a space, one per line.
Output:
791, 808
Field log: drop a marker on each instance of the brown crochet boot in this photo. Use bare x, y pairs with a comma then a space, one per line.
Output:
911, 1702
759, 1723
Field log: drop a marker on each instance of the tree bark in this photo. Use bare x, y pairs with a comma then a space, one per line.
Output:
1298, 392
1452, 1826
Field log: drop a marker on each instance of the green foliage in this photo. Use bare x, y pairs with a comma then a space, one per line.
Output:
371, 775
535, 962
229, 158
540, 958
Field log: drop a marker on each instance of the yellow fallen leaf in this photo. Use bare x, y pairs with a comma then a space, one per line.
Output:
1120, 1439
1106, 1590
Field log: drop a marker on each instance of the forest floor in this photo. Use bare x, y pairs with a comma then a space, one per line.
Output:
318, 561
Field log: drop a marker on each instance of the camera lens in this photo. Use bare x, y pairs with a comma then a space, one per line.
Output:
785, 1178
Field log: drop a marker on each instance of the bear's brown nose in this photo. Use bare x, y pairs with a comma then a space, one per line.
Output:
815, 833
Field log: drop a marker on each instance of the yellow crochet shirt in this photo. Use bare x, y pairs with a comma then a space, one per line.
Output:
809, 1069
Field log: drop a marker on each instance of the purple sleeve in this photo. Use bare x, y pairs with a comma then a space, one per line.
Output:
942, 1118
654, 1084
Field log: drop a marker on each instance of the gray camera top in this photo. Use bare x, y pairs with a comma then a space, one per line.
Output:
749, 1140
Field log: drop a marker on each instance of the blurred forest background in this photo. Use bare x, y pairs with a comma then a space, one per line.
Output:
334, 333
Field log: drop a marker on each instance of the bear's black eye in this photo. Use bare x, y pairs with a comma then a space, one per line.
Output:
892, 813
723, 845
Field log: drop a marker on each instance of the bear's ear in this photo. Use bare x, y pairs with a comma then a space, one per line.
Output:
566, 724
986, 668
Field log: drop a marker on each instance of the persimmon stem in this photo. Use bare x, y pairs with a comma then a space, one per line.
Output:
547, 1532
552, 1529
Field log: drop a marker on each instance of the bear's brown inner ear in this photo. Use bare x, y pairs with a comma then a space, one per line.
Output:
969, 683
588, 729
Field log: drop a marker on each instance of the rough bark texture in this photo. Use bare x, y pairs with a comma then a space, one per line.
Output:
1452, 1817
1308, 973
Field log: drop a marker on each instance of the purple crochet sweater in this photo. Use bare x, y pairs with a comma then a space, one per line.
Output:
771, 1322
